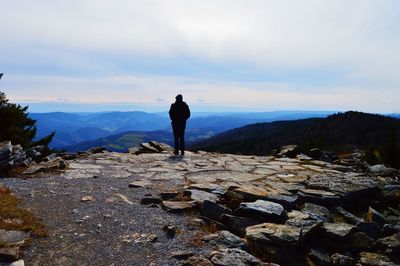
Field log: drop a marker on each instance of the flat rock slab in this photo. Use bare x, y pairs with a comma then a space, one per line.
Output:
199, 195
319, 196
178, 206
234, 256
390, 243
375, 259
276, 234
338, 230
262, 210
316, 212
225, 239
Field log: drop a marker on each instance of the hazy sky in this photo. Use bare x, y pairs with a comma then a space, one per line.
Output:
220, 54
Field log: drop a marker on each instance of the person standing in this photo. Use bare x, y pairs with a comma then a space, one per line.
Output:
179, 113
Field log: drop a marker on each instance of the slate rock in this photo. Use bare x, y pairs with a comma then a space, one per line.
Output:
277, 234
199, 196
382, 170
178, 206
150, 200
197, 261
181, 254
238, 224
275, 243
147, 148
262, 210
213, 210
317, 196
316, 211
318, 257
97, 149
225, 239
287, 201
372, 229
234, 256
361, 242
349, 217
338, 259
338, 231
375, 259
208, 187
390, 229
118, 198
140, 184
161, 147
391, 243
166, 195
375, 216
289, 151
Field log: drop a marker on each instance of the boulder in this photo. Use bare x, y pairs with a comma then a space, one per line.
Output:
213, 210
262, 210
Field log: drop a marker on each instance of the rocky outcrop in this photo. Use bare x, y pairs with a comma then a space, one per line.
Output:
34, 160
290, 211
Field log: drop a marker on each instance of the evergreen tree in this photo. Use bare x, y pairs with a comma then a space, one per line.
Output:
16, 126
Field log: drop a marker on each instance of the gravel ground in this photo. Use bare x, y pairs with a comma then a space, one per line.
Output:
93, 232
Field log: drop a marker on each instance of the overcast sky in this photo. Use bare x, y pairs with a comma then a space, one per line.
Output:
231, 55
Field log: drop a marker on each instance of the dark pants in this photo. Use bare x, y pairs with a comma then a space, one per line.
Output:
179, 136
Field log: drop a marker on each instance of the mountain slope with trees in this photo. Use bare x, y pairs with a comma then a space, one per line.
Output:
340, 132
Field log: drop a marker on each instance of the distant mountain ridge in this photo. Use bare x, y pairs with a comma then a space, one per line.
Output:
74, 128
338, 131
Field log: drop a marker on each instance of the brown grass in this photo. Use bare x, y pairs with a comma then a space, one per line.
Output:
14, 217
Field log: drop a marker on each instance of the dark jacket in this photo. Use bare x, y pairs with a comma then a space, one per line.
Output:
179, 112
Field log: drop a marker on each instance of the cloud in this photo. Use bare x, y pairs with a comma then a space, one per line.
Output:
202, 95
98, 50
